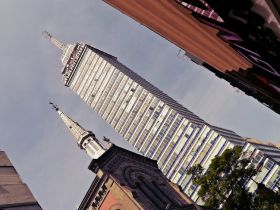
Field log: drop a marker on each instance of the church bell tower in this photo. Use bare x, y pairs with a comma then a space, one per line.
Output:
86, 140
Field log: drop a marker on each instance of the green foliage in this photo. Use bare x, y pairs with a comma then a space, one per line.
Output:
224, 183
265, 199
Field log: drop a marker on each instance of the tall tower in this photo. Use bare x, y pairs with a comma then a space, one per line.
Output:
155, 124
85, 139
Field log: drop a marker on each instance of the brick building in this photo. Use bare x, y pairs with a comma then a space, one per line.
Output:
14, 194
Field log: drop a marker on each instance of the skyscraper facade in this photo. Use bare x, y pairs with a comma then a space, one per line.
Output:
14, 194
266, 159
155, 124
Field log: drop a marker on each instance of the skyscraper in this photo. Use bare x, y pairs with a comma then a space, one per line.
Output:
155, 124
14, 194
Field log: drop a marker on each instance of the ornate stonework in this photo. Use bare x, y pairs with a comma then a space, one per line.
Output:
125, 180
100, 196
85, 139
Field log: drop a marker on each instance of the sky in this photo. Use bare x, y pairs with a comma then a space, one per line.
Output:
38, 143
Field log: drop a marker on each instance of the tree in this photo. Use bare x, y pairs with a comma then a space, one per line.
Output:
265, 199
224, 183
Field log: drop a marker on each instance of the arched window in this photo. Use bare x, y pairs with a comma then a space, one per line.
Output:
150, 194
117, 206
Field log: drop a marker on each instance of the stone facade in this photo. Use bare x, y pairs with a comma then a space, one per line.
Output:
127, 181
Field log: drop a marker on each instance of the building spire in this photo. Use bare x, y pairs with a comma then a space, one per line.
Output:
54, 41
86, 140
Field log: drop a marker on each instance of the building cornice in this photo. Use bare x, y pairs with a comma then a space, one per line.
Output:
75, 57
